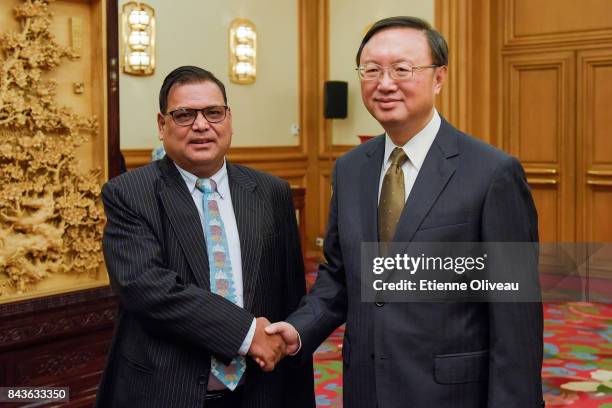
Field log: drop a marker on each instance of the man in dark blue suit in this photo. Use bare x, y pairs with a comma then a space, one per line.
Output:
422, 181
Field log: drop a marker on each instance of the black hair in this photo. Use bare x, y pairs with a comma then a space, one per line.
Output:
437, 43
187, 74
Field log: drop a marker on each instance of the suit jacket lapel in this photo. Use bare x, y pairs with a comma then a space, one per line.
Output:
432, 178
185, 220
370, 179
250, 212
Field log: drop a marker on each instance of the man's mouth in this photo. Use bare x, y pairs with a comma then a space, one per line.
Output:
200, 141
386, 102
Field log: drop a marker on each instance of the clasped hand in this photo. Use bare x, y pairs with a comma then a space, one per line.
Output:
272, 342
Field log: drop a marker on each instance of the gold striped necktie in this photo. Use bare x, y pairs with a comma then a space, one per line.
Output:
392, 196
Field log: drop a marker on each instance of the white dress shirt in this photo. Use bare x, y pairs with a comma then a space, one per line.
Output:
226, 210
416, 149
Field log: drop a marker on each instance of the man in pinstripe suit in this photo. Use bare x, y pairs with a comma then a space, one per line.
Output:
171, 326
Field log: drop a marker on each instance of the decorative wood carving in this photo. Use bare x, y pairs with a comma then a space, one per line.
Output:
56, 365
51, 217
27, 331
63, 340
59, 340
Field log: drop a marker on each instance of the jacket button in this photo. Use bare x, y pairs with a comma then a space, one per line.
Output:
380, 304
202, 379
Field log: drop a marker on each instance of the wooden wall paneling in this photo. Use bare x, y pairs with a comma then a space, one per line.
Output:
595, 145
467, 98
283, 162
324, 126
480, 66
540, 23
135, 158
313, 62
538, 128
547, 106
499, 87
269, 154
451, 21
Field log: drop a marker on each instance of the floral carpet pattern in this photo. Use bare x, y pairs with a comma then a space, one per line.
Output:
577, 368
328, 371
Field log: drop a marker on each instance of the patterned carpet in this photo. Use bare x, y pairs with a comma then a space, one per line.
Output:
577, 358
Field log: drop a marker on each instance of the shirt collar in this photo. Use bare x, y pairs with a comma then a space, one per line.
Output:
220, 177
417, 147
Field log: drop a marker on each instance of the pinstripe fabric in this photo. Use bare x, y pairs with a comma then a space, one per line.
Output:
422, 355
169, 323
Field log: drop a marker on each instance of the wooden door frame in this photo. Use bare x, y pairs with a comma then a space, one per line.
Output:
116, 164
471, 97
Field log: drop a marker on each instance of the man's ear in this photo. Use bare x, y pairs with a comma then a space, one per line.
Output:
161, 122
439, 78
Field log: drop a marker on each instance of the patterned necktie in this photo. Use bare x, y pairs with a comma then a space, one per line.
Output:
392, 196
221, 277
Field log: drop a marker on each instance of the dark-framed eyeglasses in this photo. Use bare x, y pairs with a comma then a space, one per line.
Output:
400, 71
187, 116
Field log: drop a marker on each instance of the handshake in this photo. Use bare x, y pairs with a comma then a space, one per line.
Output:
272, 342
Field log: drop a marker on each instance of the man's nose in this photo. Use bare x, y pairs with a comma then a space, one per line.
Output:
200, 122
385, 82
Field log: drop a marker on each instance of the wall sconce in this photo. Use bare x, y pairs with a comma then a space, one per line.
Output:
138, 45
243, 52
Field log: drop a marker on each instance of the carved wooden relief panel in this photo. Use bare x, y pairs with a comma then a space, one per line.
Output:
52, 146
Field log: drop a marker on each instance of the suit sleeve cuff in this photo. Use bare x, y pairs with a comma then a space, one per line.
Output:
299, 343
246, 344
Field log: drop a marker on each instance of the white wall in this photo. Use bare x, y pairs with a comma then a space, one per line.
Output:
348, 22
195, 32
